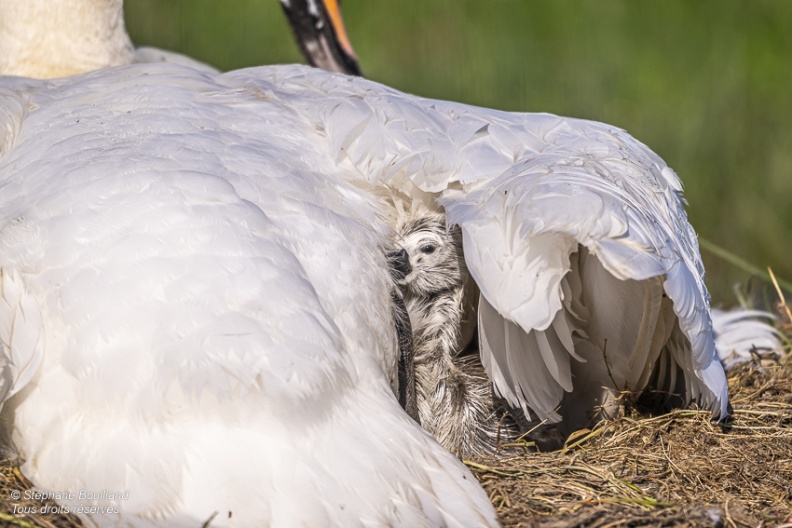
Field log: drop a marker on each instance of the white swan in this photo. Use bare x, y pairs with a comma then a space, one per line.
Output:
196, 305
195, 321
195, 311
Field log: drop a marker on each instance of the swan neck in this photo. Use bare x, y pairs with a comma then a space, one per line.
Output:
59, 38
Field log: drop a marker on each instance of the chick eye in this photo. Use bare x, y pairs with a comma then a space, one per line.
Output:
428, 249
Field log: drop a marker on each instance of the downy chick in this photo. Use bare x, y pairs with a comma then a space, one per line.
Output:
455, 401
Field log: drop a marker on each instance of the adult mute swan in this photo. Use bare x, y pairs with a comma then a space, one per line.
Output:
196, 321
197, 314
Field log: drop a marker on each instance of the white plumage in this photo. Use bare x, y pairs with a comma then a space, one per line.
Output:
215, 331
742, 335
575, 232
196, 305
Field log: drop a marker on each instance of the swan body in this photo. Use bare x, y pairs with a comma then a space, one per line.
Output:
196, 311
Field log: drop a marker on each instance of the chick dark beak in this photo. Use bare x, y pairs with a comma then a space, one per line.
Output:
399, 262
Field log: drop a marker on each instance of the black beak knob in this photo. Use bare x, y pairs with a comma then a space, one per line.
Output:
399, 262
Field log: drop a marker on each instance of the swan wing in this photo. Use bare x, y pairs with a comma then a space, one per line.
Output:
530, 191
623, 209
21, 335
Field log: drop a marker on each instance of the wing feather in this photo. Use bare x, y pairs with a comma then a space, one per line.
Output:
529, 190
741, 333
21, 335
522, 379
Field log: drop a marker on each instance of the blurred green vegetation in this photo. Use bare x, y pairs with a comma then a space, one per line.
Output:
706, 84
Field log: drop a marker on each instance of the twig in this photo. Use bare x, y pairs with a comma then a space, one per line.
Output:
17, 522
489, 469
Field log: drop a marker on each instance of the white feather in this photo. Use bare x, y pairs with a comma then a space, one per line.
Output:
539, 389
21, 339
739, 334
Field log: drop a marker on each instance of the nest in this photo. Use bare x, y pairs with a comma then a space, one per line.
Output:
17, 509
677, 469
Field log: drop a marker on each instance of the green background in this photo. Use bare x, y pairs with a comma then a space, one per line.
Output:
706, 84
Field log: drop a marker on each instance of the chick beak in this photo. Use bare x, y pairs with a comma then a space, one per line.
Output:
399, 262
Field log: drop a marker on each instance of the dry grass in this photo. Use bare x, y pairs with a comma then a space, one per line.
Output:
12, 481
678, 469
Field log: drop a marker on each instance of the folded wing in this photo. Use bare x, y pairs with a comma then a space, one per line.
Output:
575, 232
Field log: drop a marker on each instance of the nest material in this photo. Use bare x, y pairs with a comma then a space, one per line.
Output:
12, 481
677, 469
